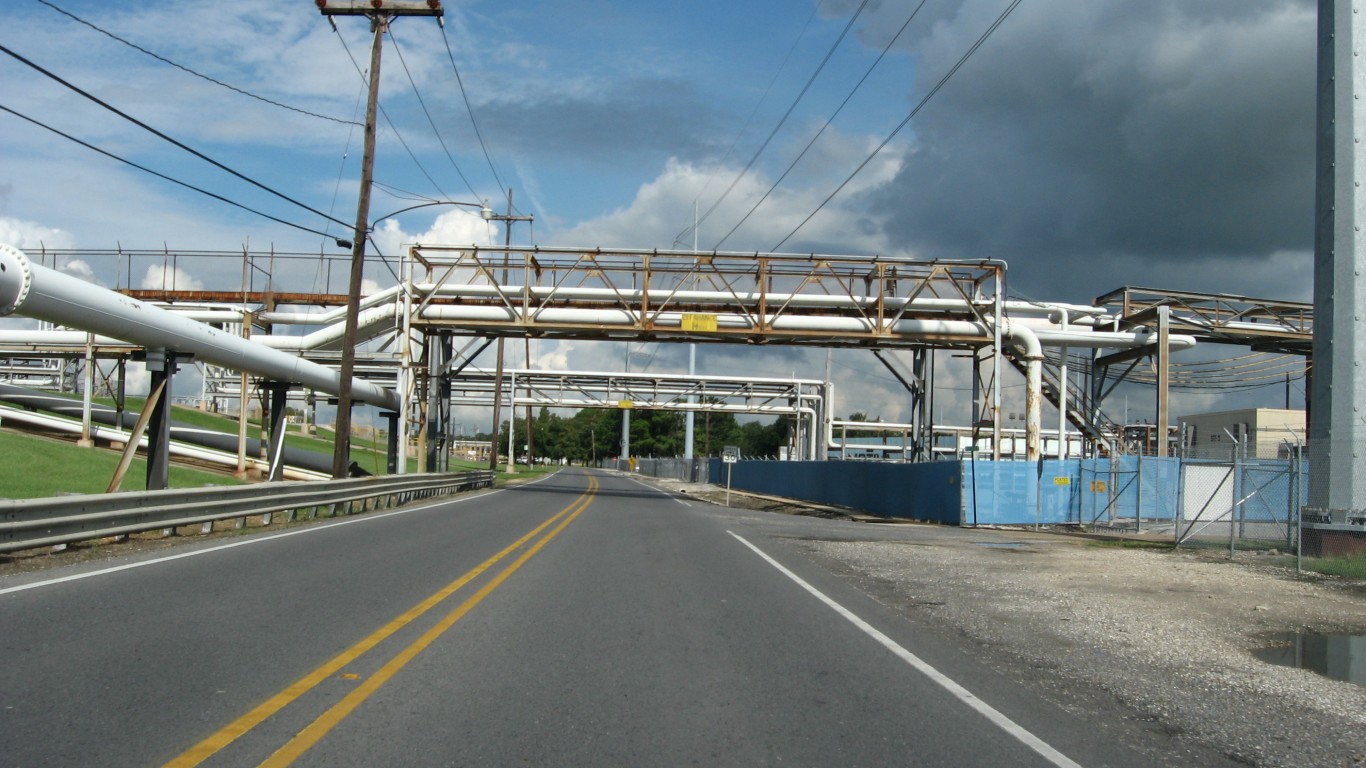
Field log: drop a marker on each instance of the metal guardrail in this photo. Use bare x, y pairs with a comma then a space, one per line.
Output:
29, 523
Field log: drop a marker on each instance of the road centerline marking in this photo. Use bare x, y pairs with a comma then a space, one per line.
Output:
265, 710
315, 731
995, 716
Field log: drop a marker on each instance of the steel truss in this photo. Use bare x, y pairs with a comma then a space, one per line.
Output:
806, 400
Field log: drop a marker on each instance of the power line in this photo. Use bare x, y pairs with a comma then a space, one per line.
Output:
999, 20
160, 175
390, 122
753, 113
470, 109
432, 122
399, 193
186, 69
165, 137
828, 121
811, 80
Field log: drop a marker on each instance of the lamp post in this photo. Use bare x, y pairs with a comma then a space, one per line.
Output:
380, 12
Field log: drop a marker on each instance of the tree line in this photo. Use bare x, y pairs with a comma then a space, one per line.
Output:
594, 434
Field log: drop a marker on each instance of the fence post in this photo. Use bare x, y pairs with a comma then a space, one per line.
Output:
1138, 496
1180, 508
1238, 496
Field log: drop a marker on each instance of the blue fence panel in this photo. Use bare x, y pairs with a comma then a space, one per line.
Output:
1158, 487
928, 491
974, 492
1015, 493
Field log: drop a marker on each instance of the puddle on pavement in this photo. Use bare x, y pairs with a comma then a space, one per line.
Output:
1000, 544
1341, 657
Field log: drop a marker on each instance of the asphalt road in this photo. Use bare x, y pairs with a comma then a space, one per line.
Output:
583, 620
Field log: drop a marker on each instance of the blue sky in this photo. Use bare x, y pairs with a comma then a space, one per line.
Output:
1090, 143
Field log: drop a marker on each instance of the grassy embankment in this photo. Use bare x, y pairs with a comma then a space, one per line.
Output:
38, 467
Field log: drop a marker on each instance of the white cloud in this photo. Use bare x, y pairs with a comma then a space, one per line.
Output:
31, 235
159, 277
81, 269
663, 207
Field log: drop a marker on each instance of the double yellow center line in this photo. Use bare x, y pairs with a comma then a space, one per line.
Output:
328, 720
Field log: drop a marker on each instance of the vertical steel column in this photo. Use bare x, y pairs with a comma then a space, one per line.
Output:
1163, 379
392, 444
444, 402
279, 397
433, 431
87, 397
1337, 428
121, 395
161, 364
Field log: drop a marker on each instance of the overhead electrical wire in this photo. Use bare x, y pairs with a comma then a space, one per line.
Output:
164, 137
399, 51
160, 175
914, 111
186, 69
783, 120
399, 193
469, 109
385, 114
318, 276
678, 239
828, 121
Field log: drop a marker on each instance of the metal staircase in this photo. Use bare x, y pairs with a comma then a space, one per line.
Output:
1100, 430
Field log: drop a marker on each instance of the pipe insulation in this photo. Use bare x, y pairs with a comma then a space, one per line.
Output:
177, 448
33, 290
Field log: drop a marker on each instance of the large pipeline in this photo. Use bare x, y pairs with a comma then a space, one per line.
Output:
33, 290
175, 448
43, 401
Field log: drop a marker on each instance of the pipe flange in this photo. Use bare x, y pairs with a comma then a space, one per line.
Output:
16, 277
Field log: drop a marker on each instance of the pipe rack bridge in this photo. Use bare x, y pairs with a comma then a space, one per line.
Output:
869, 302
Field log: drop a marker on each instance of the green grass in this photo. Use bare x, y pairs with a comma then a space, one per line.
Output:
38, 467
1133, 544
1348, 567
371, 456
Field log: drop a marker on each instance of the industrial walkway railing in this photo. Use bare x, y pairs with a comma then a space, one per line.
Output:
29, 523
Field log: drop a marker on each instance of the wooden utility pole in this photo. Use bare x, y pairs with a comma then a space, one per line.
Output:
379, 15
507, 219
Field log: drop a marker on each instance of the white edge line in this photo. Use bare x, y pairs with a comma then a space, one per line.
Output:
241, 543
663, 493
962, 694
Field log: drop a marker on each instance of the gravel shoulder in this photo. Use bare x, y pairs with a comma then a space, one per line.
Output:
1168, 636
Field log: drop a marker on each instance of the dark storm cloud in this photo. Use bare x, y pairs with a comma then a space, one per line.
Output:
634, 119
1110, 140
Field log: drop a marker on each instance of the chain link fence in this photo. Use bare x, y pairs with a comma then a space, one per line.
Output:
685, 470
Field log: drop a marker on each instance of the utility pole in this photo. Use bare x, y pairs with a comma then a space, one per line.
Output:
507, 219
380, 12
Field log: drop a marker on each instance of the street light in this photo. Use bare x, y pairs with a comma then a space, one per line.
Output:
485, 212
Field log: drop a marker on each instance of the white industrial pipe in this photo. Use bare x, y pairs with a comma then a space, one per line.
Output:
1025, 338
1027, 342
660, 296
176, 448
35, 291
910, 329
369, 324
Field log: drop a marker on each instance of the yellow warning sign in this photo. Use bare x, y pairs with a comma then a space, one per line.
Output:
1098, 486
626, 405
698, 322
1062, 481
